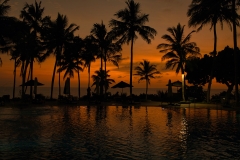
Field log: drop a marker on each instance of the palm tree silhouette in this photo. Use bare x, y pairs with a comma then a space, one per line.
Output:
32, 15
71, 61
56, 36
146, 71
234, 24
8, 27
89, 53
131, 21
25, 44
177, 50
108, 51
203, 12
105, 77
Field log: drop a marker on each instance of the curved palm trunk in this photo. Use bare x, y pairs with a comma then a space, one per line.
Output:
235, 53
213, 65
146, 88
53, 77
105, 77
14, 78
101, 81
131, 65
24, 71
229, 91
78, 85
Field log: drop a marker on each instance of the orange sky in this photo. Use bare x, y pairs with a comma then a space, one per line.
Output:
162, 14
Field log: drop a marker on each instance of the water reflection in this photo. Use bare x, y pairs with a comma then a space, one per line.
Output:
184, 131
117, 132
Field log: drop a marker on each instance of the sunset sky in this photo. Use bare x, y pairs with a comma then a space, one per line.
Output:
84, 13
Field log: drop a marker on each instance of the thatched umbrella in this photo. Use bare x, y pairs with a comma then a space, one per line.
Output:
121, 85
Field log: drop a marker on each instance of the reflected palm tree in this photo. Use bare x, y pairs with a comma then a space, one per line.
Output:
203, 12
131, 22
146, 71
178, 50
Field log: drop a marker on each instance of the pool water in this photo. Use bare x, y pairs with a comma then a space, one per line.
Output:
116, 132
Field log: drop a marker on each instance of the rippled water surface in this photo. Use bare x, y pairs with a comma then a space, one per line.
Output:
116, 132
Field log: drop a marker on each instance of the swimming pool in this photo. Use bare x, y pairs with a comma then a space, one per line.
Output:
116, 132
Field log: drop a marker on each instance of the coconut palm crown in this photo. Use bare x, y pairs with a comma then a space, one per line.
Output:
178, 49
146, 71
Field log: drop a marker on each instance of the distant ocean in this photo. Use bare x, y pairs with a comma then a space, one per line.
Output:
46, 91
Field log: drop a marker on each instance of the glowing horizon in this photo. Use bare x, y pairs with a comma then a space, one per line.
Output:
162, 14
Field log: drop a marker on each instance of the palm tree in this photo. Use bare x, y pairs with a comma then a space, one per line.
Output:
71, 61
4, 8
88, 54
203, 12
108, 51
102, 74
234, 24
32, 15
146, 71
56, 36
7, 33
178, 50
17, 63
131, 22
8, 27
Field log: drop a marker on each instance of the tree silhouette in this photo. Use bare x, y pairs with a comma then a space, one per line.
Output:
178, 50
32, 15
146, 71
71, 60
89, 53
203, 12
131, 22
108, 50
105, 77
56, 36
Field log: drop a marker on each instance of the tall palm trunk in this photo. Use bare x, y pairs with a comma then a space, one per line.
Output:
53, 77
14, 77
105, 76
59, 83
214, 61
235, 52
23, 72
131, 65
31, 77
146, 88
78, 85
101, 81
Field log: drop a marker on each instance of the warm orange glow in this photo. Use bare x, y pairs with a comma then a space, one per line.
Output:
162, 14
